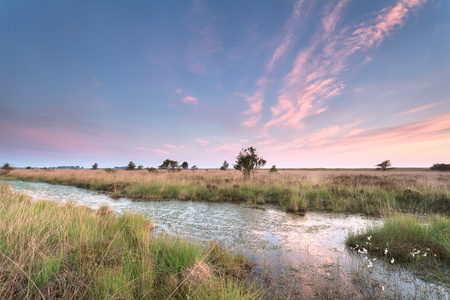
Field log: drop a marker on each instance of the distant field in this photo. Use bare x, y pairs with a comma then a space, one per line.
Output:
371, 192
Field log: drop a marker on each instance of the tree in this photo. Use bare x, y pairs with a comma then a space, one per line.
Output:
152, 170
248, 162
273, 169
131, 166
140, 167
169, 165
384, 165
95, 166
224, 166
441, 167
185, 165
194, 167
6, 168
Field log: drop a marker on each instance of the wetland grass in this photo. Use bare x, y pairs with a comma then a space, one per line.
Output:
55, 251
368, 192
422, 243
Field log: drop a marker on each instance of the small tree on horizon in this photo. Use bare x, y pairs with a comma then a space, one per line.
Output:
131, 166
185, 165
224, 166
273, 169
384, 165
169, 165
248, 161
6, 168
95, 166
194, 167
140, 167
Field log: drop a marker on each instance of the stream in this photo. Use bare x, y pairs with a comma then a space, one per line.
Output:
296, 257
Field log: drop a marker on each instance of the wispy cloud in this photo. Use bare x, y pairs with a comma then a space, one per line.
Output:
189, 100
314, 77
435, 128
417, 109
169, 146
288, 36
331, 18
203, 142
157, 151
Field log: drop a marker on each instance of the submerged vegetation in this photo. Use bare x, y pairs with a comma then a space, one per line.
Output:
367, 192
54, 251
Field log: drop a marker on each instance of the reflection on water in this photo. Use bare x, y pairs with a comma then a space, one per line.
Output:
295, 256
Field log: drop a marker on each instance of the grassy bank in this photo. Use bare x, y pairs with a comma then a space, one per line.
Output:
53, 251
368, 192
421, 243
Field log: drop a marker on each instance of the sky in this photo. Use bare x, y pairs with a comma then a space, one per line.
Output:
326, 83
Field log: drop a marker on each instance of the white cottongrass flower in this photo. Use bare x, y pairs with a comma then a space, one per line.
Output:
425, 254
392, 260
386, 251
382, 288
369, 237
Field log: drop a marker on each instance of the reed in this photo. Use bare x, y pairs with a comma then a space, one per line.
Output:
55, 251
368, 192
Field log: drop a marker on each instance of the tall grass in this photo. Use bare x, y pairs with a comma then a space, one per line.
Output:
368, 192
54, 251
422, 243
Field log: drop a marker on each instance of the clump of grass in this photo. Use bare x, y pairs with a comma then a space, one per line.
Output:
54, 251
422, 243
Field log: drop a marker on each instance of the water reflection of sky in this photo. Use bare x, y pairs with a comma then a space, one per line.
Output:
295, 254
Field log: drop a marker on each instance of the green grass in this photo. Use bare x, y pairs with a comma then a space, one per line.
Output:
423, 244
55, 251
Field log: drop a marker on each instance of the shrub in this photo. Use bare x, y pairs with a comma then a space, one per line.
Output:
441, 167
273, 169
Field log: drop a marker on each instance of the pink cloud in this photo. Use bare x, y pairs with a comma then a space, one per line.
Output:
288, 38
366, 36
203, 142
330, 21
58, 139
189, 100
256, 105
313, 78
414, 110
157, 151
169, 146
338, 137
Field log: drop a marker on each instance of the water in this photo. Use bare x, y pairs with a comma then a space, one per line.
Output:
296, 257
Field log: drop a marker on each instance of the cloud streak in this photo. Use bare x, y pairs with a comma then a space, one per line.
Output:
157, 151
314, 76
417, 109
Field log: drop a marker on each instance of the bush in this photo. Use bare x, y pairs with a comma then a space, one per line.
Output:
441, 167
273, 169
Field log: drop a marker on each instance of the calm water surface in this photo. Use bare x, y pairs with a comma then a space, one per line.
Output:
296, 257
